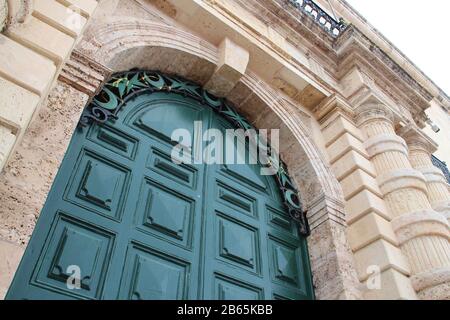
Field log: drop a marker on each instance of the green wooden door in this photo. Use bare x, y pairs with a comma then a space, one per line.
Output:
139, 226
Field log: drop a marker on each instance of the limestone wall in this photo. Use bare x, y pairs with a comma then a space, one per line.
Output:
37, 41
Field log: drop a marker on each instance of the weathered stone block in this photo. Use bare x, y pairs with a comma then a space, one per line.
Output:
393, 286
86, 7
60, 17
357, 181
363, 203
379, 255
233, 61
16, 104
26, 67
7, 139
337, 128
349, 162
44, 38
345, 143
368, 229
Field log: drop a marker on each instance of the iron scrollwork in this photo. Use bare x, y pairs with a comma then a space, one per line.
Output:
122, 86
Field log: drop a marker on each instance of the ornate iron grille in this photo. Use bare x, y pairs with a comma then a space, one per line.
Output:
442, 166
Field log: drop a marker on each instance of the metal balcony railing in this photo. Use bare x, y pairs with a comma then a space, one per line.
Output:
328, 23
442, 166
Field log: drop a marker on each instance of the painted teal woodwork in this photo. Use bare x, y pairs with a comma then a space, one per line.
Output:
140, 226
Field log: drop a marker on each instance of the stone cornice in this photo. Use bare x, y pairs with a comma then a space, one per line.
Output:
397, 83
358, 50
351, 15
83, 73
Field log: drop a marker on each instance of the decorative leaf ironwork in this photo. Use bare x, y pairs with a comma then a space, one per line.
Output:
122, 86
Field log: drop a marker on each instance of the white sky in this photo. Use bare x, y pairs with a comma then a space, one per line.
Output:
419, 28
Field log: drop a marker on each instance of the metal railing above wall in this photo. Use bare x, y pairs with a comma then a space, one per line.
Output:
442, 166
328, 23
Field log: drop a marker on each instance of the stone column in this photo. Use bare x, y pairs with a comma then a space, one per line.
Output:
423, 234
421, 148
370, 235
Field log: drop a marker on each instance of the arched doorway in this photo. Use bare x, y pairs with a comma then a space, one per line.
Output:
132, 224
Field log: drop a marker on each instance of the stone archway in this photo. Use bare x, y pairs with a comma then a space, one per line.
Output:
118, 44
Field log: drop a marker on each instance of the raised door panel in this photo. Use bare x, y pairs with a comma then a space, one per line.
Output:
99, 184
153, 275
166, 213
75, 249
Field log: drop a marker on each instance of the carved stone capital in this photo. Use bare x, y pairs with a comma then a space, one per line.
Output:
416, 139
373, 110
433, 285
84, 74
331, 106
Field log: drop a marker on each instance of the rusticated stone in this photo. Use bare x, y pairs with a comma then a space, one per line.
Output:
27, 178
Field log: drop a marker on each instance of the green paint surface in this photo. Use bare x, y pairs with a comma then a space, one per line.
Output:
139, 226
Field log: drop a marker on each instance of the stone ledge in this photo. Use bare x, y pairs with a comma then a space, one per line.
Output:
60, 17
17, 105
325, 208
42, 38
344, 144
337, 128
358, 181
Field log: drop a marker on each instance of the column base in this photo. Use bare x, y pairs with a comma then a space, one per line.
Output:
443, 208
433, 285
420, 223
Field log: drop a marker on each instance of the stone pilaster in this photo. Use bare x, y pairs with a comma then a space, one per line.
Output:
423, 234
373, 242
421, 148
38, 157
